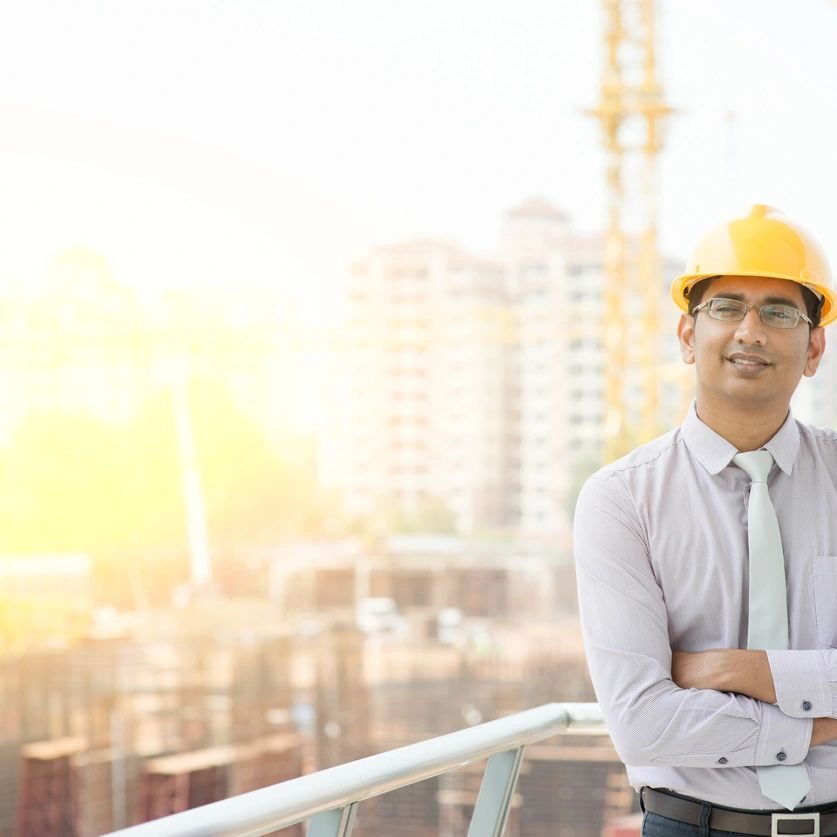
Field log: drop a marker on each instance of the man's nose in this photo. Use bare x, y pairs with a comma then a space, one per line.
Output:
751, 329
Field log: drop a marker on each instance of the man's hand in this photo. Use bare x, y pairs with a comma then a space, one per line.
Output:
725, 670
824, 729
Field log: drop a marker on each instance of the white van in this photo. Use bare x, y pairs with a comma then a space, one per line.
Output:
377, 614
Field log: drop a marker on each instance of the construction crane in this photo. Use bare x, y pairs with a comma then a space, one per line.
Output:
196, 520
630, 113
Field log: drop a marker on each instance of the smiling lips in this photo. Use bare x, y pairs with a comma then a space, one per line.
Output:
749, 362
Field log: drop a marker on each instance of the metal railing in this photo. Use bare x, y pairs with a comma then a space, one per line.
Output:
330, 798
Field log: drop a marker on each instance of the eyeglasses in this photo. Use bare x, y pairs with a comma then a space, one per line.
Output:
734, 310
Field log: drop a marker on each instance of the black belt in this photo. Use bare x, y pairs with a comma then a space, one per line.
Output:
818, 823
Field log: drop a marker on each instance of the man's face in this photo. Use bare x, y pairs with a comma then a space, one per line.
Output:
749, 364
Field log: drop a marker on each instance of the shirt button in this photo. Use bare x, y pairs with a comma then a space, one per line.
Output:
807, 705
781, 755
722, 760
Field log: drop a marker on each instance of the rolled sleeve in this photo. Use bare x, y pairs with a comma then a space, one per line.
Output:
803, 683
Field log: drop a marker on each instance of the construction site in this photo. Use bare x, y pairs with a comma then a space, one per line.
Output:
184, 707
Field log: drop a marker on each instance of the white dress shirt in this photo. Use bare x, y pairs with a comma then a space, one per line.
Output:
660, 540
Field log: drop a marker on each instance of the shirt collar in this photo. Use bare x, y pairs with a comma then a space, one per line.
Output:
714, 452
785, 444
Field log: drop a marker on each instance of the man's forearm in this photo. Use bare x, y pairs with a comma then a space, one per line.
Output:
737, 670
825, 729
748, 673
741, 671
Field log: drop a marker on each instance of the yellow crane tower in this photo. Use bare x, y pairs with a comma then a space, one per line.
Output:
630, 112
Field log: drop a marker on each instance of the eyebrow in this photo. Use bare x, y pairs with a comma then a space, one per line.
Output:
769, 300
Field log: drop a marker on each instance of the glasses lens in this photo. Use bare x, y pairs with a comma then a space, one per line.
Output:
779, 316
726, 309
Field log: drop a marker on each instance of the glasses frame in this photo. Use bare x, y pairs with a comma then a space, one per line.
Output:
748, 308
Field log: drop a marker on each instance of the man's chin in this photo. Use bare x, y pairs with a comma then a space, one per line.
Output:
749, 393
736, 391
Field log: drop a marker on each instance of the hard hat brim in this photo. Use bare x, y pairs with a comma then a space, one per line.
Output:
682, 284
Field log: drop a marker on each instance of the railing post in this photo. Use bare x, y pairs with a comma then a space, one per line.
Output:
494, 799
336, 823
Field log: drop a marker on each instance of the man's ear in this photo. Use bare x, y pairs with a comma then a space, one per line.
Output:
816, 347
686, 336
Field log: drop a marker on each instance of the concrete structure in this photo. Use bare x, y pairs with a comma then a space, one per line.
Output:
422, 576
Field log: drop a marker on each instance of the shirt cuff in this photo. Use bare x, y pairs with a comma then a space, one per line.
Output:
782, 740
800, 679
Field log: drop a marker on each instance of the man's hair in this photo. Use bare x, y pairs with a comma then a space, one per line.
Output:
813, 306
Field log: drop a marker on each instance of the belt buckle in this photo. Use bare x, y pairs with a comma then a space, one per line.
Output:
774, 823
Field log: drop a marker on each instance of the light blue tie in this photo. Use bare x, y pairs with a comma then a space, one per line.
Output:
768, 623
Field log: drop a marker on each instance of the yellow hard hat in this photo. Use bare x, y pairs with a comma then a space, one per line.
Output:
764, 243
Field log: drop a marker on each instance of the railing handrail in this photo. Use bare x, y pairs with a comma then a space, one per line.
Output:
287, 803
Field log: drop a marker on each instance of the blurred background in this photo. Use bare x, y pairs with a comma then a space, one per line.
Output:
314, 317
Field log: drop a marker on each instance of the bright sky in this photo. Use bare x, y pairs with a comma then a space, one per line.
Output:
220, 141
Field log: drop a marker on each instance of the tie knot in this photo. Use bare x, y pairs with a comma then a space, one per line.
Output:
757, 463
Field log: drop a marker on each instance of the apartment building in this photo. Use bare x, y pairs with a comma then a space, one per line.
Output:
421, 426
454, 392
533, 250
478, 385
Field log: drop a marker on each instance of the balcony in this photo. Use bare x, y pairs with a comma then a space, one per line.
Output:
330, 800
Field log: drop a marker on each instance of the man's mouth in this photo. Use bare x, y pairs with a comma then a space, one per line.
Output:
741, 361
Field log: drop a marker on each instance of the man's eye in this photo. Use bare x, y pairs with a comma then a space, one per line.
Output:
780, 313
727, 308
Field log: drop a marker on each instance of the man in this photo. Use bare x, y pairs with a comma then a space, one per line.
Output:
716, 731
